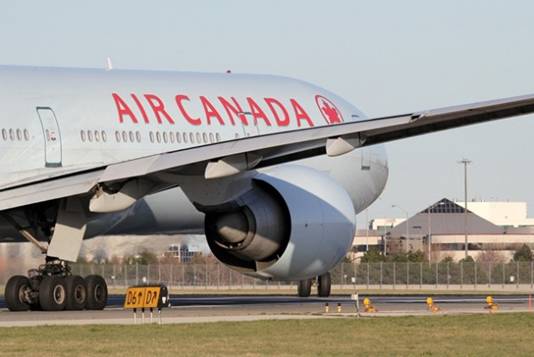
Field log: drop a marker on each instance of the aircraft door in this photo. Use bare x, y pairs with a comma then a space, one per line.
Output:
52, 137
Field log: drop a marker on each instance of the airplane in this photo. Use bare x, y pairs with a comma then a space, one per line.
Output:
272, 170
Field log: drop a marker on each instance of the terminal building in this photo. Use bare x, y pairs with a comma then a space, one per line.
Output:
440, 230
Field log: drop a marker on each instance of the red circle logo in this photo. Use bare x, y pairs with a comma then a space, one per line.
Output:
328, 109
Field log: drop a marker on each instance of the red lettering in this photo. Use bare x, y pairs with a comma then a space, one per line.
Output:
123, 109
273, 103
233, 109
140, 106
179, 99
257, 112
158, 108
210, 111
300, 113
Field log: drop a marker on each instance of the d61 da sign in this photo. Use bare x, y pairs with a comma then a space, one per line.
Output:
146, 297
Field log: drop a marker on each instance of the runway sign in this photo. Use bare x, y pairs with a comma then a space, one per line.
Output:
146, 297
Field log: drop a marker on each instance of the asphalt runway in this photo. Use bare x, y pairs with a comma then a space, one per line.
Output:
197, 308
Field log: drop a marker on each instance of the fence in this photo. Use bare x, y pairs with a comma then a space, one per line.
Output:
468, 276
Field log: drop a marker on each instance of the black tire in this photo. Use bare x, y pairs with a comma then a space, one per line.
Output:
97, 292
304, 288
53, 293
16, 288
324, 285
76, 293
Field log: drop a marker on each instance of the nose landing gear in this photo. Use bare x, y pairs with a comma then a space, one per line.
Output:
52, 287
324, 283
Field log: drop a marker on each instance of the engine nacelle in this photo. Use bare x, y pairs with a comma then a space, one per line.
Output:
295, 223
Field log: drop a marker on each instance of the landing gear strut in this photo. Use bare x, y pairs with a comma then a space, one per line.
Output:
324, 283
52, 287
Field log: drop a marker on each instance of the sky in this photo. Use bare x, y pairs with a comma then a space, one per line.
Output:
386, 57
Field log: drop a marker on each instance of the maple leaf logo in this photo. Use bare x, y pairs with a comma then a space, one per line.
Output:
331, 114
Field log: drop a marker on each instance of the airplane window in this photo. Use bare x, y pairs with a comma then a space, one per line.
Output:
82, 135
124, 136
11, 135
117, 136
205, 138
165, 138
171, 137
191, 138
138, 136
236, 135
151, 137
178, 138
26, 135
199, 139
104, 136
158, 136
132, 137
19, 135
212, 139
185, 137
218, 137
97, 135
4, 134
90, 135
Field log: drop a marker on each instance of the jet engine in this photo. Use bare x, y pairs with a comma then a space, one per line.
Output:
294, 223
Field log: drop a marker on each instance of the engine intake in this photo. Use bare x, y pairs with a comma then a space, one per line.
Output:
255, 230
293, 224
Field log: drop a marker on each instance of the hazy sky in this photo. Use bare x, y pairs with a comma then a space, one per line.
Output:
387, 57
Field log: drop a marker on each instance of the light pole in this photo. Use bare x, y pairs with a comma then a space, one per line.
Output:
429, 232
367, 230
465, 162
407, 226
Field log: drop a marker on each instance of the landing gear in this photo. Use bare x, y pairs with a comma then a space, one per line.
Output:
324, 284
97, 292
52, 287
52, 293
76, 292
304, 288
18, 293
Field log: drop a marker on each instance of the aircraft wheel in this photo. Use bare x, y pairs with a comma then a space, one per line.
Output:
324, 285
304, 288
16, 293
76, 293
53, 293
97, 292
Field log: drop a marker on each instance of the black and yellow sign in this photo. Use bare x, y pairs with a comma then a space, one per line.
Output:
139, 297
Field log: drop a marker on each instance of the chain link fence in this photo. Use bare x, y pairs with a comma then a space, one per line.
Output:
412, 276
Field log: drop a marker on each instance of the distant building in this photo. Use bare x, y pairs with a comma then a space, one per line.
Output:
507, 214
439, 231
181, 252
384, 224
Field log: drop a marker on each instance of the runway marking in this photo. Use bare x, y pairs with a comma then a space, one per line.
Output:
166, 320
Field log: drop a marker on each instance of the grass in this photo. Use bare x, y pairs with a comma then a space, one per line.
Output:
473, 335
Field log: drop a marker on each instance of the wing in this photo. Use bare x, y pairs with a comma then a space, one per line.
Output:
231, 157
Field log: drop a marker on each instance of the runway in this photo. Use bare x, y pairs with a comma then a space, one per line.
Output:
190, 309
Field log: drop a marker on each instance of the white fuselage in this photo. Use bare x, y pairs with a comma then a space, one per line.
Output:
57, 121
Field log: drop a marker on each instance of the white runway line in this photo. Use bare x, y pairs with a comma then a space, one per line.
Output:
166, 320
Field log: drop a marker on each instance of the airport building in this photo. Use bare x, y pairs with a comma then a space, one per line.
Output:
440, 231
